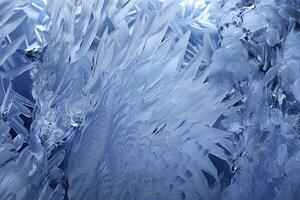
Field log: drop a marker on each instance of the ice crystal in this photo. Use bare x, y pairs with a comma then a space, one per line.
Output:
134, 99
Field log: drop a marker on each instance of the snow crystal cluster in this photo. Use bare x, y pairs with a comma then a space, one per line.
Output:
149, 99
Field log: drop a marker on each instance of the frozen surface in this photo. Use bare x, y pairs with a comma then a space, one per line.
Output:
149, 100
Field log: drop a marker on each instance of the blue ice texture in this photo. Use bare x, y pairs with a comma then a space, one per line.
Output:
149, 99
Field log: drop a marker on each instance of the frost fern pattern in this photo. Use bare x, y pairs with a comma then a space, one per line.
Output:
157, 99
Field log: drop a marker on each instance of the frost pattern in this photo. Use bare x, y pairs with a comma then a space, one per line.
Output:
137, 99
